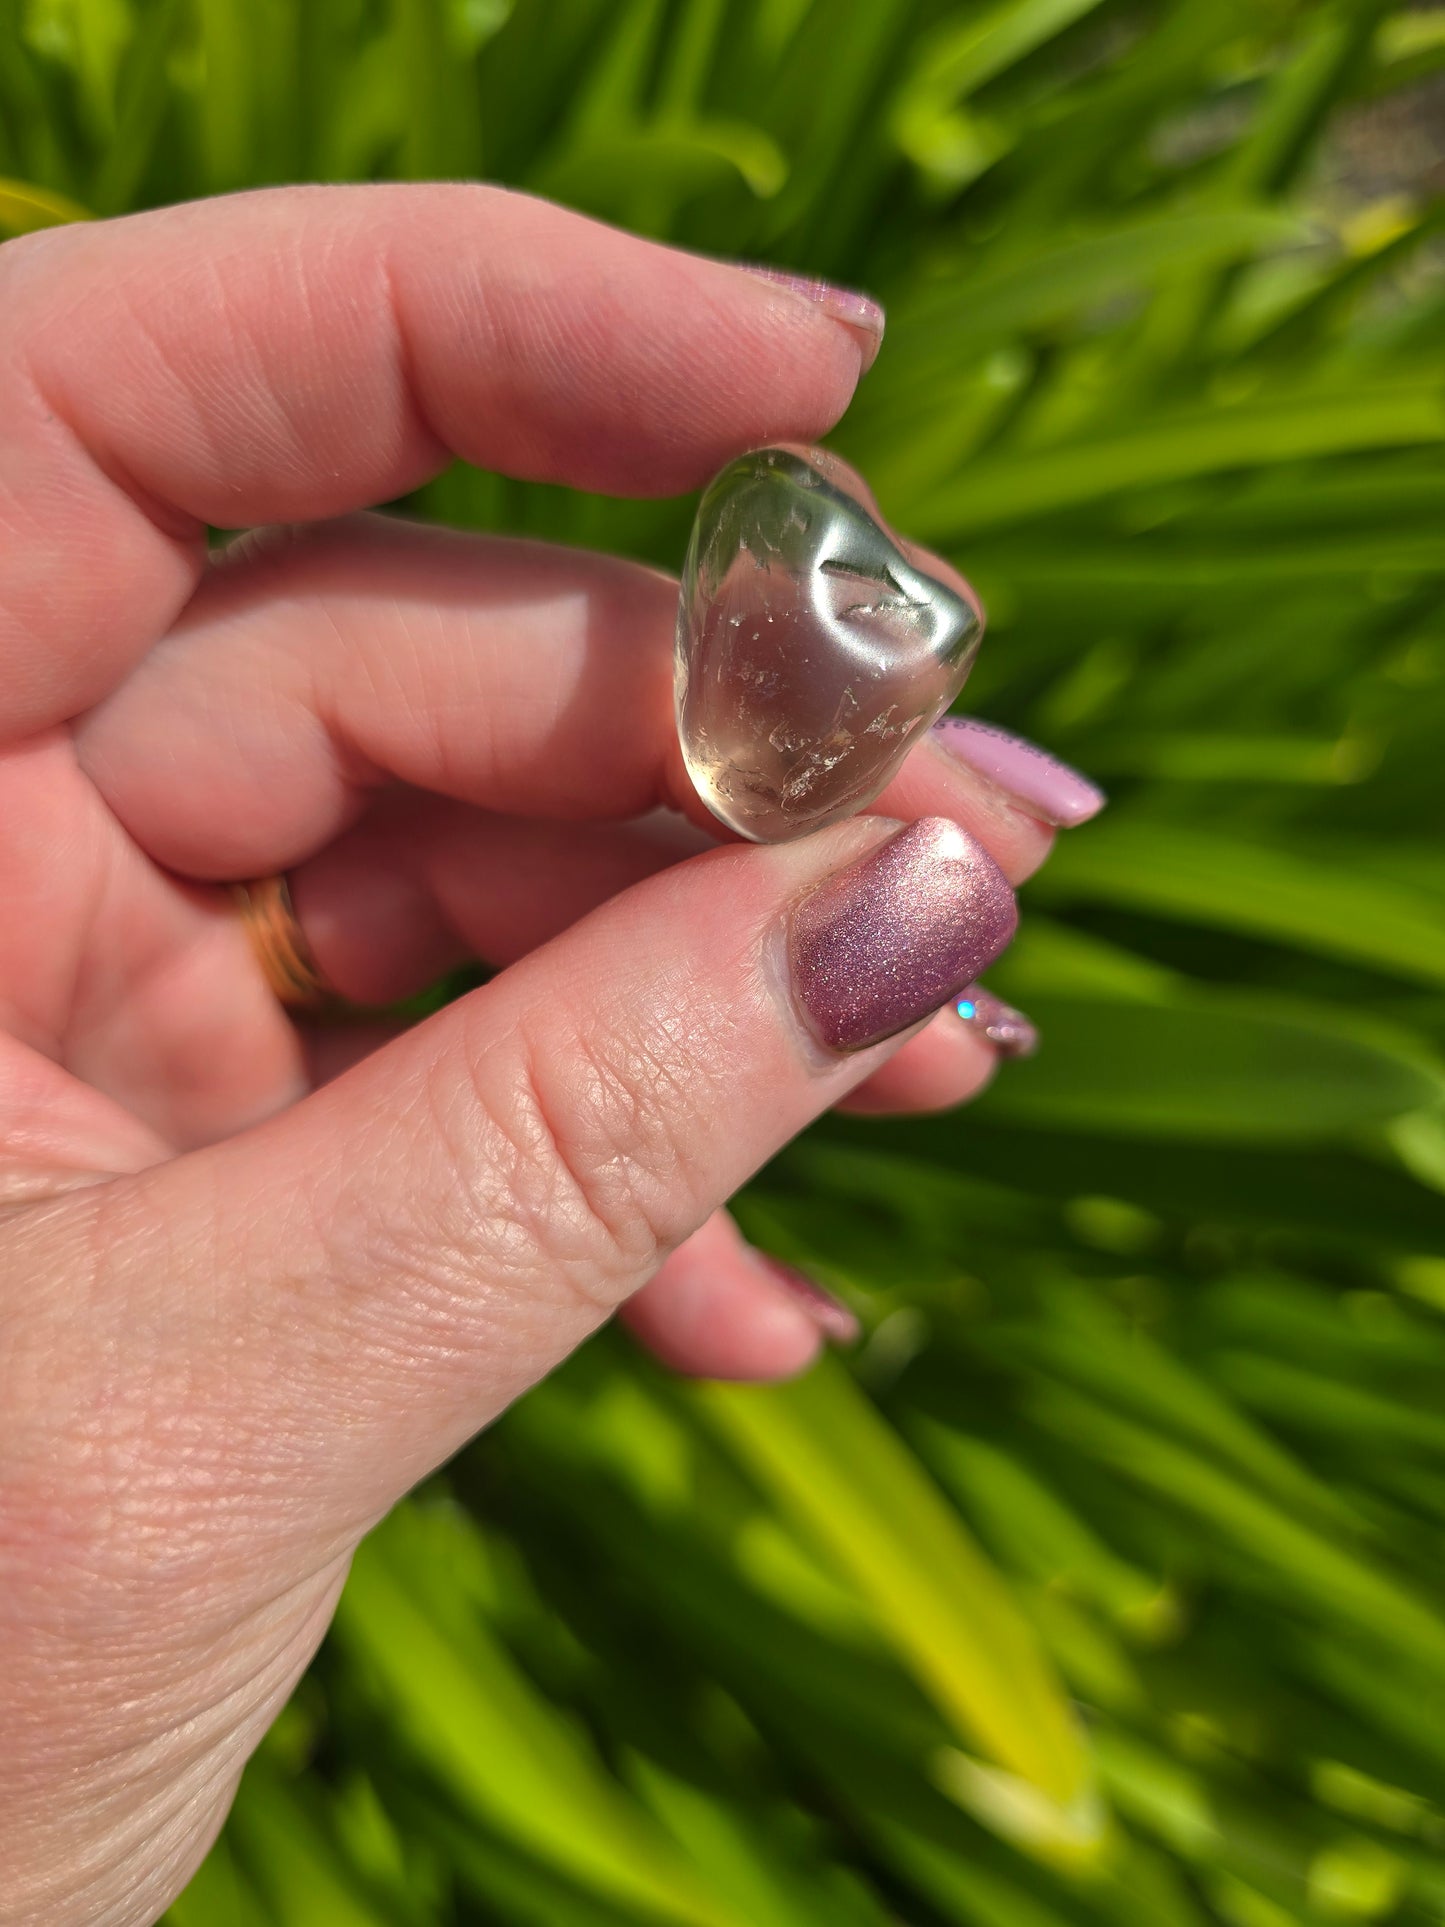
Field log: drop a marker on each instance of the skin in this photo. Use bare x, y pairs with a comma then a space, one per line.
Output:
255, 1284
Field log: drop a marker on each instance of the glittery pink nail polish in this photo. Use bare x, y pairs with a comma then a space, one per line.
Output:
1044, 786
859, 313
886, 941
1007, 1029
829, 1314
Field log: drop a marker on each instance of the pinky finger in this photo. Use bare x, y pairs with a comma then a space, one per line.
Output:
720, 1309
951, 1059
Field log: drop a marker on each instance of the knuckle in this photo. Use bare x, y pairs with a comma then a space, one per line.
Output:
586, 1170
610, 1105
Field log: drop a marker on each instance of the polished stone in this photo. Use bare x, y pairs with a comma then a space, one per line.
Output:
813, 646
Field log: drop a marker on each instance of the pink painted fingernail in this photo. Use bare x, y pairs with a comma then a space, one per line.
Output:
1046, 787
829, 1314
885, 942
1007, 1029
859, 313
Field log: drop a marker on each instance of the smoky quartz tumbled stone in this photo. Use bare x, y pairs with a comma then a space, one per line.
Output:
813, 646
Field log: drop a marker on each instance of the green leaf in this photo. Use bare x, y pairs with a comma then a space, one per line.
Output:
300, 1872
228, 49
1317, 1195
505, 1881
828, 1458
144, 95
439, 128
1018, 1511
1164, 1796
927, 118
1321, 1578
967, 1892
964, 56
218, 1895
1085, 1343
24, 208
507, 1754
1171, 448
1209, 1066
742, 1865
1311, 1402
1197, 756
973, 311
689, 156
1243, 883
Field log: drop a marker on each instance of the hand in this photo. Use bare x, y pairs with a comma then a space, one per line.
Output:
252, 1286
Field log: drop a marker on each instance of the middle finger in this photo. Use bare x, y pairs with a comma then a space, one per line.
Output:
312, 668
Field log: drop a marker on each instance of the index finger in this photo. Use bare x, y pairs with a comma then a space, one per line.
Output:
300, 352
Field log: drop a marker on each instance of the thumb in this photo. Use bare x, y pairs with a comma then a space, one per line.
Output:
392, 1261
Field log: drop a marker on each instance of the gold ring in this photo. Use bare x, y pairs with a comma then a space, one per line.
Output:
280, 943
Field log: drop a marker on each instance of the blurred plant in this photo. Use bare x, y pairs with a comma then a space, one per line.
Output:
1107, 1587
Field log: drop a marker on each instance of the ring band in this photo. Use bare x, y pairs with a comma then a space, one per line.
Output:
280, 943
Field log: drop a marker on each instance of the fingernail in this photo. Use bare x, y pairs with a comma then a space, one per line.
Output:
829, 1314
891, 938
859, 313
1007, 1029
1046, 787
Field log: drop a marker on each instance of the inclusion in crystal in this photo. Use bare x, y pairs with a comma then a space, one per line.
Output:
813, 646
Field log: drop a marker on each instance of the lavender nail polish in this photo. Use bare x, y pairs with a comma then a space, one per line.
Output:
1046, 787
1007, 1029
829, 1314
859, 313
891, 938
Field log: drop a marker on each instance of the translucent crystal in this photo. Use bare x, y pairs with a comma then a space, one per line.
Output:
813, 647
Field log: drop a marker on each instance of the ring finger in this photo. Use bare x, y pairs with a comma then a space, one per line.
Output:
423, 884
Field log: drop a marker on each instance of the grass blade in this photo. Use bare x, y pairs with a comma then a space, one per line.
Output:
835, 1466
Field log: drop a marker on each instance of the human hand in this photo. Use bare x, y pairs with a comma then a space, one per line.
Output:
255, 1284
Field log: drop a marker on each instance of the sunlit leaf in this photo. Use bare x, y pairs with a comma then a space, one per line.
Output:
1243, 883
468, 1709
857, 1490
1319, 1577
24, 208
1207, 1067
1010, 487
951, 314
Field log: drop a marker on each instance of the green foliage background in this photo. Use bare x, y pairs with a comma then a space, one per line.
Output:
1103, 1587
